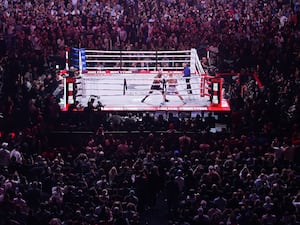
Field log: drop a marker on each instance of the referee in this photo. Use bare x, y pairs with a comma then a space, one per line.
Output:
187, 75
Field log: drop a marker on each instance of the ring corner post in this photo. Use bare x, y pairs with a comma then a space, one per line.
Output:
65, 93
124, 86
67, 50
193, 60
80, 63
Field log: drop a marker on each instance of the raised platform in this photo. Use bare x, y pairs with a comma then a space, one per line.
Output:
173, 105
124, 92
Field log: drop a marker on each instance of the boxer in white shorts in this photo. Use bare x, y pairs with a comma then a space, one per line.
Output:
172, 87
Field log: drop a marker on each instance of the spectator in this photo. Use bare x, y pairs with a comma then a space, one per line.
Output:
172, 194
242, 36
186, 75
201, 218
5, 155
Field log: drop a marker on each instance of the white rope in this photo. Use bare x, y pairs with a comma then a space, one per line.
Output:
138, 60
113, 79
132, 68
115, 85
134, 52
137, 56
133, 61
80, 62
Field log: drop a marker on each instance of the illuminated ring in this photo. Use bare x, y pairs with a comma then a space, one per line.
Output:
114, 86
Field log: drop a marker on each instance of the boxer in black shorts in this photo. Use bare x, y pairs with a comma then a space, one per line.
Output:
158, 84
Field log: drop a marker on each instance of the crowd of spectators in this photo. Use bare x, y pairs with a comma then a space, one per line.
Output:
248, 174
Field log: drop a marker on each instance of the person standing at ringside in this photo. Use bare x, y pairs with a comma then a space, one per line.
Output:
187, 75
157, 85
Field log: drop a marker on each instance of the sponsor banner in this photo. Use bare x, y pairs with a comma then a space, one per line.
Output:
109, 72
156, 108
98, 73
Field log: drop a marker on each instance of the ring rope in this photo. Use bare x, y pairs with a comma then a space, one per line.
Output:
139, 52
136, 93
132, 61
138, 56
138, 79
128, 83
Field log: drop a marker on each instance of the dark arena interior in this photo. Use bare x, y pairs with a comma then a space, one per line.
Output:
158, 112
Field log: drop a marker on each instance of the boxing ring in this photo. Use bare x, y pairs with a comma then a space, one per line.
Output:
119, 80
